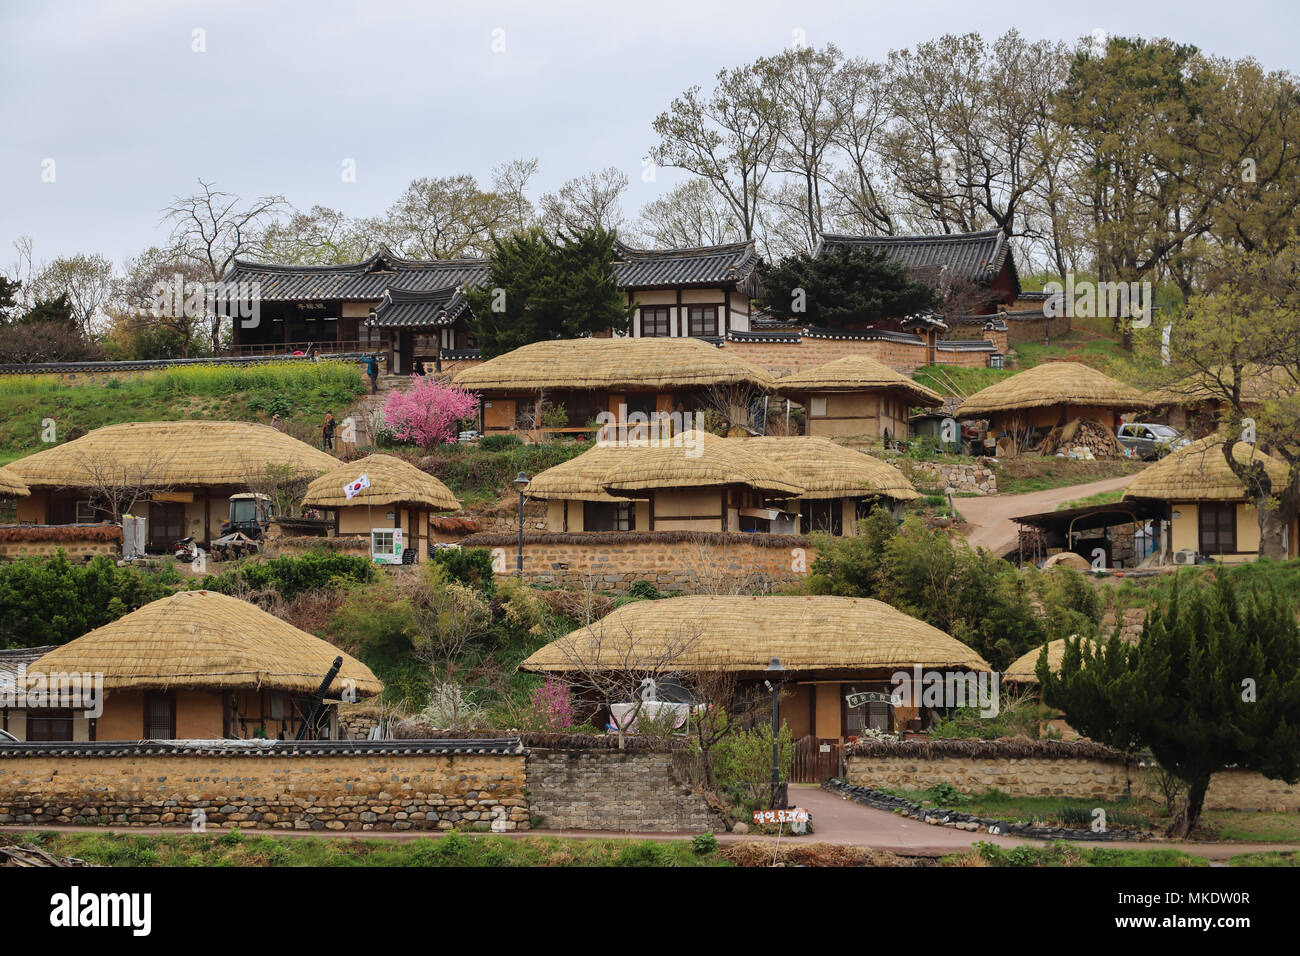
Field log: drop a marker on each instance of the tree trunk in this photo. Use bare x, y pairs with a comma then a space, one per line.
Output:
1186, 819
1271, 526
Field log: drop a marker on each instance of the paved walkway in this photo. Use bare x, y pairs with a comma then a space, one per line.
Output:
990, 517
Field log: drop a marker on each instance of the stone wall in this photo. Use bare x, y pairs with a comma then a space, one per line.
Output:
948, 477
1034, 327
615, 790
344, 787
17, 541
695, 563
1061, 776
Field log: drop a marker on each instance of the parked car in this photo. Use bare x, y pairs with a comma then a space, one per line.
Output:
1149, 441
8, 738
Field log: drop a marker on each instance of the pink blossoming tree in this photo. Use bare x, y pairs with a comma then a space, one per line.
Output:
552, 708
428, 412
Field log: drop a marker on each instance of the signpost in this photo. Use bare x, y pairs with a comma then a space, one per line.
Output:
793, 815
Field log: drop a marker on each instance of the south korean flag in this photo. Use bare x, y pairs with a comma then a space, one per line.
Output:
353, 488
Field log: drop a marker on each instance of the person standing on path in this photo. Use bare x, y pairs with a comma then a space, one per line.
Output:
372, 369
327, 432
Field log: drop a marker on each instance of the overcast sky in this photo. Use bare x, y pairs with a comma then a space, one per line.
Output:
115, 95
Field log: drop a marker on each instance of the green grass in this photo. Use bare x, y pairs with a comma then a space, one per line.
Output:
1104, 354
967, 381
1018, 476
1265, 859
1261, 573
247, 849
300, 392
1060, 853
1250, 826
1100, 498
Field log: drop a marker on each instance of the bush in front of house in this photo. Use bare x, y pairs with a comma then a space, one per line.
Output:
52, 600
290, 575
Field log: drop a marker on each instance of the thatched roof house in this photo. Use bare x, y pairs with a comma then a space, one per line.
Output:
1023, 408
400, 497
619, 376
203, 665
12, 486
1194, 408
692, 481
856, 395
829, 646
1209, 511
1023, 670
1059, 388
184, 470
660, 485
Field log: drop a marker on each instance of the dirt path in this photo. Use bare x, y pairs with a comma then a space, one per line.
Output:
990, 517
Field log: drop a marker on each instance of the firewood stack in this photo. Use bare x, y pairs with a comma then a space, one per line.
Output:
1081, 433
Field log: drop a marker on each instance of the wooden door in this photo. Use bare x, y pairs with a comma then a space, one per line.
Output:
166, 524
499, 414
815, 760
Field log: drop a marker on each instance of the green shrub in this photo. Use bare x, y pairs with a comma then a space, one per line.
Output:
499, 442
644, 589
472, 566
291, 576
702, 844
52, 600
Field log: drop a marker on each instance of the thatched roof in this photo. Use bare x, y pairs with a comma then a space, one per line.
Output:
201, 639
1022, 669
744, 633
581, 477
12, 486
614, 363
828, 470
697, 459
182, 454
857, 373
1052, 383
392, 482
1199, 472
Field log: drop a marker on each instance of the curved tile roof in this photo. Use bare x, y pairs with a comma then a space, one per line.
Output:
976, 256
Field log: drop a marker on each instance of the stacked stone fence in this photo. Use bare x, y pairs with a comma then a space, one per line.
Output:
948, 477
454, 782
1048, 768
706, 562
79, 542
321, 785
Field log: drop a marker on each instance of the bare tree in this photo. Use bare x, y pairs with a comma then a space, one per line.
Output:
610, 661
211, 228
86, 280
115, 487
588, 201
729, 139
691, 214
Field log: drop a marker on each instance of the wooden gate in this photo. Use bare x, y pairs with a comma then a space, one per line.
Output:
815, 760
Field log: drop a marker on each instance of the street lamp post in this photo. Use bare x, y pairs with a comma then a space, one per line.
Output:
521, 483
774, 674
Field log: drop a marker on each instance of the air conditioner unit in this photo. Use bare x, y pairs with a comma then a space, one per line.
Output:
1185, 556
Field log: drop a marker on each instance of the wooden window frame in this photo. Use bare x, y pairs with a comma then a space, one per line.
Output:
1218, 510
170, 699
691, 309
667, 311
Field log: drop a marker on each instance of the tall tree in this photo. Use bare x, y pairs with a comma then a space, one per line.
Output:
728, 138
446, 217
589, 201
1238, 347
810, 112
1213, 682
690, 214
85, 280
540, 288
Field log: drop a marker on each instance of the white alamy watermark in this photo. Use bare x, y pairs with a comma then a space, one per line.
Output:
174, 298
1087, 299
37, 690
650, 430
947, 689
